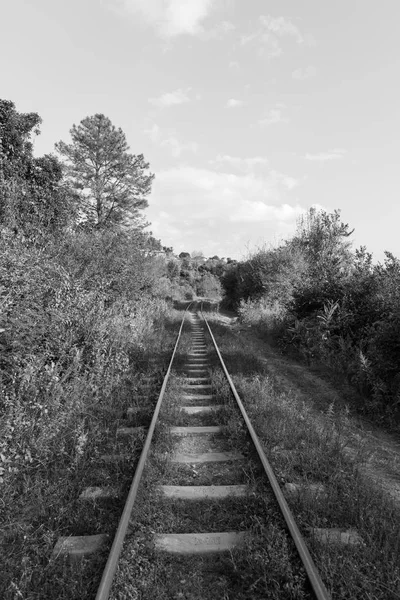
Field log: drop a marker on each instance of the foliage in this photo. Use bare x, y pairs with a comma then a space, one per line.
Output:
112, 262
330, 304
113, 183
80, 315
209, 286
34, 200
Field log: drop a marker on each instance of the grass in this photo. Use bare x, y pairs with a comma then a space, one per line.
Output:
305, 446
40, 502
267, 567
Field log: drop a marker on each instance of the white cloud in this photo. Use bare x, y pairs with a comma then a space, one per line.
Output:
154, 133
223, 190
223, 210
243, 164
256, 163
324, 156
169, 141
281, 27
219, 31
285, 180
233, 103
269, 46
306, 73
171, 17
273, 116
249, 212
179, 96
234, 65
176, 147
266, 37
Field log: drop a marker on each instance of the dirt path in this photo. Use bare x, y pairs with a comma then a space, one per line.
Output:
377, 450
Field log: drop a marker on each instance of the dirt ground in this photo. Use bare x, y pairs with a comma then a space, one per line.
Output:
377, 450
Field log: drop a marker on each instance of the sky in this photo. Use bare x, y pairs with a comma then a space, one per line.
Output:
249, 112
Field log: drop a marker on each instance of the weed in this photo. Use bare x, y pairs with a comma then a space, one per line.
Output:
304, 447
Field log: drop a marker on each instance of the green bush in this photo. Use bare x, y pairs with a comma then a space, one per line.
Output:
329, 304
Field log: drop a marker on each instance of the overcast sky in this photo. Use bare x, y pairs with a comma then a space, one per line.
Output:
249, 112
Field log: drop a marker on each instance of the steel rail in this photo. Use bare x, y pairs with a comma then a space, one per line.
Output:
319, 589
112, 561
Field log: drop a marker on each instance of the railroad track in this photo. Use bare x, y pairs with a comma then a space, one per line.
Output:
202, 452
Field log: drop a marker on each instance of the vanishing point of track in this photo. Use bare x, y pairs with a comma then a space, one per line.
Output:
198, 381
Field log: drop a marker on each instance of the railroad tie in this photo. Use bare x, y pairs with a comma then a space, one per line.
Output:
345, 537
206, 457
197, 386
79, 546
200, 492
207, 430
199, 543
197, 396
195, 410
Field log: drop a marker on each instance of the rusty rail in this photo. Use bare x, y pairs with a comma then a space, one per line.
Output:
318, 587
111, 565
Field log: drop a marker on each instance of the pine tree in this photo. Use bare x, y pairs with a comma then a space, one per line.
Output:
113, 183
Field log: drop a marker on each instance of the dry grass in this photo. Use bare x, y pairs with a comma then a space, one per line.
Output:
266, 567
306, 446
76, 426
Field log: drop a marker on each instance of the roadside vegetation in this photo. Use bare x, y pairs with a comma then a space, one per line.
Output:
321, 301
90, 304
84, 319
318, 458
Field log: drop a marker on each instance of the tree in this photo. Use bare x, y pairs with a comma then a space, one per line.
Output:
323, 239
113, 183
33, 197
15, 143
209, 286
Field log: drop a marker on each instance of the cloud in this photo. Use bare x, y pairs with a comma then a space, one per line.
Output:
267, 36
324, 156
280, 27
223, 211
219, 31
273, 116
171, 98
242, 164
249, 212
171, 17
176, 147
169, 141
154, 133
268, 45
228, 190
234, 65
306, 73
232, 103
285, 180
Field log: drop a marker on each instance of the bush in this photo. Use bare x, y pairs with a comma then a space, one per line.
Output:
329, 304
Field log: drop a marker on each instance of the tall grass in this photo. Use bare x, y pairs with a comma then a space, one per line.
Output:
307, 446
72, 358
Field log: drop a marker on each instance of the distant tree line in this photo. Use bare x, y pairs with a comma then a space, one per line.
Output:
191, 275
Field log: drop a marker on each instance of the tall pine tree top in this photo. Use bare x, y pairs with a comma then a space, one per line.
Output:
113, 183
